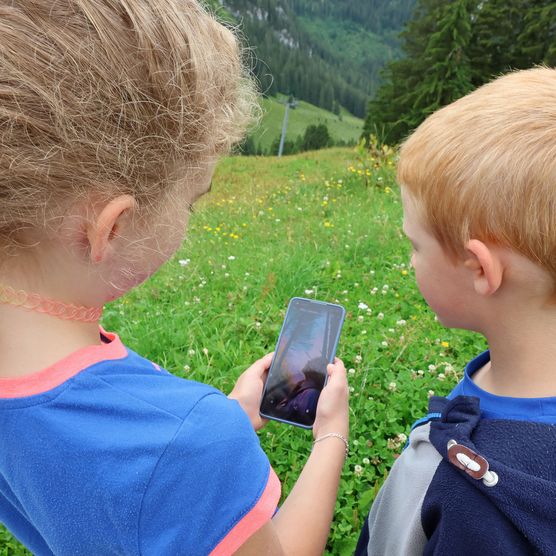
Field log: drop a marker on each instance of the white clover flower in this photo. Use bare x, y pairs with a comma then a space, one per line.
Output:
191, 352
380, 316
358, 470
362, 306
372, 272
186, 368
231, 258
366, 461
420, 372
432, 367
392, 387
358, 359
430, 393
391, 330
205, 351
402, 437
356, 285
401, 322
385, 287
247, 274
184, 262
309, 292
360, 318
257, 324
351, 371
441, 376
351, 389
384, 343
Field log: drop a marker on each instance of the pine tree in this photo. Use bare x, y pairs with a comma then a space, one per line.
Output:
537, 41
389, 113
492, 48
448, 74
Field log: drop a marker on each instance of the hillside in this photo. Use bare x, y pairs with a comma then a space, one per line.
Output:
344, 127
328, 53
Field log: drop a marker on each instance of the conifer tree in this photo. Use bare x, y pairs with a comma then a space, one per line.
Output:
389, 113
537, 41
448, 72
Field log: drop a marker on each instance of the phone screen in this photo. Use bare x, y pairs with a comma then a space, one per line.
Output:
306, 345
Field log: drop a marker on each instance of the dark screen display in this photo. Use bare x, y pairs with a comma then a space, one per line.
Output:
306, 345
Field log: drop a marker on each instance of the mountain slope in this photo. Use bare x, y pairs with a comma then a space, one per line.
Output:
343, 127
328, 53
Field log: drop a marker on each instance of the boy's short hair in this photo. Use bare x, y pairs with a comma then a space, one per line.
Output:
115, 96
484, 167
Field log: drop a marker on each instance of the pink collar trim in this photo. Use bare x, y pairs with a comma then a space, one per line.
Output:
59, 372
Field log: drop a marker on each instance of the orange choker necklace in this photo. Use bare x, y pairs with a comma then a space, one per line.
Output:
35, 302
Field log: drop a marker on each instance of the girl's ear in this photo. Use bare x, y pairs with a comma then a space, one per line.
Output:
107, 226
486, 267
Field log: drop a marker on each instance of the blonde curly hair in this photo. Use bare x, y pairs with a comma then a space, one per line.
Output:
111, 96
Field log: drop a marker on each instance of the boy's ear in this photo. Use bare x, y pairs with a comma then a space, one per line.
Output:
485, 265
107, 226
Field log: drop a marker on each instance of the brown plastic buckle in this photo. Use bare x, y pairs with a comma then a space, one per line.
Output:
455, 449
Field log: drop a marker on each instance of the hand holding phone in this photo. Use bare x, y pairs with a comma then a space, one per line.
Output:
248, 388
298, 373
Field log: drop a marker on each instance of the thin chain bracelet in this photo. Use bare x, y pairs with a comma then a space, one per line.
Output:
336, 435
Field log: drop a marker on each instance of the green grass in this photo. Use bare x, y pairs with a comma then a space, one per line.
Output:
345, 128
327, 225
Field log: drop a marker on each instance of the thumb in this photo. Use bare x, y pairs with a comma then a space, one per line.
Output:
261, 366
336, 372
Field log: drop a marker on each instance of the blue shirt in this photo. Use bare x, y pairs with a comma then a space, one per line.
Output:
540, 410
106, 453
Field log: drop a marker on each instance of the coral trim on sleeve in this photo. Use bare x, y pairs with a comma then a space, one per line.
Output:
260, 514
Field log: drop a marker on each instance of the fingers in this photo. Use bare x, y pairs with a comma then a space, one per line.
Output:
261, 366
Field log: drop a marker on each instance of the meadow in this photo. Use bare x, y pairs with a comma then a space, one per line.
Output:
345, 127
324, 225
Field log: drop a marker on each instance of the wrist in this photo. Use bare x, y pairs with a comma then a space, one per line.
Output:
336, 437
340, 427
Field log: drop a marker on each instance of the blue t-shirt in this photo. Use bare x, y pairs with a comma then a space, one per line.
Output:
539, 410
106, 453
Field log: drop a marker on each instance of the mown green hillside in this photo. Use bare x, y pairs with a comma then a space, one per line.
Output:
345, 127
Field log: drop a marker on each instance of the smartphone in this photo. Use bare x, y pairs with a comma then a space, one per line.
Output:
297, 374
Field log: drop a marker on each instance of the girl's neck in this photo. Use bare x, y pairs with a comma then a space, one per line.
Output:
31, 340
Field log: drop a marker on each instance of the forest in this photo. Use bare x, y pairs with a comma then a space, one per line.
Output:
329, 53
451, 47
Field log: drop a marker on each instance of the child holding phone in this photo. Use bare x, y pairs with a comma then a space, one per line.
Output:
112, 115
